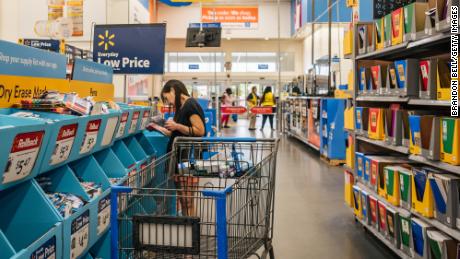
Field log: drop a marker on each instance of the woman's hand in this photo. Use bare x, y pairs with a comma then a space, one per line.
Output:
154, 126
172, 125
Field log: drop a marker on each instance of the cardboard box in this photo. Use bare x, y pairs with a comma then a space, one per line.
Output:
374, 214
357, 202
440, 245
391, 81
393, 126
382, 218
450, 140
348, 190
431, 126
377, 174
407, 75
415, 146
362, 120
365, 38
419, 238
445, 189
365, 206
397, 26
379, 34
387, 30
443, 79
422, 195
351, 80
428, 79
392, 226
379, 77
376, 121
405, 188
405, 233
414, 21
443, 18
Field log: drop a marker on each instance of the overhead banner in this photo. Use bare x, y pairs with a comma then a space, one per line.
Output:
231, 17
51, 45
131, 48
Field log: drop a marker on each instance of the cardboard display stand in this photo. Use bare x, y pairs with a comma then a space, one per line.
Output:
357, 202
430, 136
428, 79
365, 206
407, 75
362, 120
379, 33
406, 128
422, 195
382, 208
393, 126
450, 140
365, 38
391, 81
348, 190
379, 77
414, 21
376, 124
445, 189
405, 188
364, 78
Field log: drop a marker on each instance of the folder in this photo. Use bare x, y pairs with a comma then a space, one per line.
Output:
415, 135
382, 218
443, 79
376, 121
422, 195
450, 140
405, 188
428, 79
443, 14
378, 34
392, 227
391, 81
407, 75
365, 38
445, 189
359, 158
350, 155
363, 80
348, 190
367, 170
393, 126
373, 208
405, 233
357, 202
430, 136
392, 180
406, 128
387, 30
414, 21
362, 120
430, 17
365, 206
351, 80
378, 73
377, 179
397, 26
419, 238
441, 246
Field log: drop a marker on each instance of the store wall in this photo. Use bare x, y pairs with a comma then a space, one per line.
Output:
321, 47
178, 20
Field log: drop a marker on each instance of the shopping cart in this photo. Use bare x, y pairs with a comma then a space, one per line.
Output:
214, 199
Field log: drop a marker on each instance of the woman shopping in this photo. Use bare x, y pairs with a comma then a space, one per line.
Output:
267, 100
227, 101
252, 100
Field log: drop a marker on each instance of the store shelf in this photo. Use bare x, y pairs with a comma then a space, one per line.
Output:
400, 149
304, 140
383, 99
428, 102
384, 240
455, 233
381, 199
441, 165
348, 56
384, 52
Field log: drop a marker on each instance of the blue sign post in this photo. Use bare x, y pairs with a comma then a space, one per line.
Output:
131, 48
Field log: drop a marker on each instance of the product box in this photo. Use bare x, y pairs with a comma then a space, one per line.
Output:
428, 79
348, 190
365, 38
367, 170
415, 146
393, 126
405, 188
379, 34
419, 238
392, 181
348, 42
440, 245
357, 202
405, 233
391, 81
443, 79
378, 73
430, 136
364, 79
445, 189
350, 155
406, 128
362, 120
359, 158
414, 21
374, 214
349, 117
407, 75
397, 26
382, 218
387, 32
422, 195
450, 140
430, 18
443, 14
365, 206
392, 226
376, 121
377, 178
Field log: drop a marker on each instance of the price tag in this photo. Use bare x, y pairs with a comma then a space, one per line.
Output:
103, 216
405, 226
64, 143
23, 155
79, 235
145, 119
45, 251
90, 139
122, 127
109, 131
134, 122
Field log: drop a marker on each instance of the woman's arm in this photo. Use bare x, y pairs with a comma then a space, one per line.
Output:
197, 127
160, 129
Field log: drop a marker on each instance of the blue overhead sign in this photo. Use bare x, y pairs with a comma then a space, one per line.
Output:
262, 66
193, 66
51, 45
84, 70
205, 25
19, 60
131, 48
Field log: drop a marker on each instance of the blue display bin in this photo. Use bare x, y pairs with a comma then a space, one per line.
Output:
128, 161
101, 250
146, 111
333, 137
125, 122
88, 169
133, 125
29, 223
76, 228
136, 150
157, 140
24, 142
108, 130
92, 135
148, 148
112, 167
87, 256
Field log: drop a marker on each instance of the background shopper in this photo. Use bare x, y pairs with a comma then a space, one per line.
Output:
227, 101
252, 100
267, 100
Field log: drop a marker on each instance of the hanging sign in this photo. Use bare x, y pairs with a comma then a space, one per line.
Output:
131, 48
231, 17
51, 45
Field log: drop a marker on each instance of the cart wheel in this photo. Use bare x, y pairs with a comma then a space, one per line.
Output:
268, 250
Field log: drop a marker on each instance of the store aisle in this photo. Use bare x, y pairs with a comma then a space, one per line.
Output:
311, 220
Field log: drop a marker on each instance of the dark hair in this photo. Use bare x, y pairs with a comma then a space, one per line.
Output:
179, 90
267, 90
229, 91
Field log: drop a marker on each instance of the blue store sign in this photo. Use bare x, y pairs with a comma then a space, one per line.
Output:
84, 70
131, 48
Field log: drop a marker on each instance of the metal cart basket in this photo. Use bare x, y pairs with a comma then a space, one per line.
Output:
208, 198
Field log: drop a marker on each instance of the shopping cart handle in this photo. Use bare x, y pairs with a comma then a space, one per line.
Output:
227, 139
